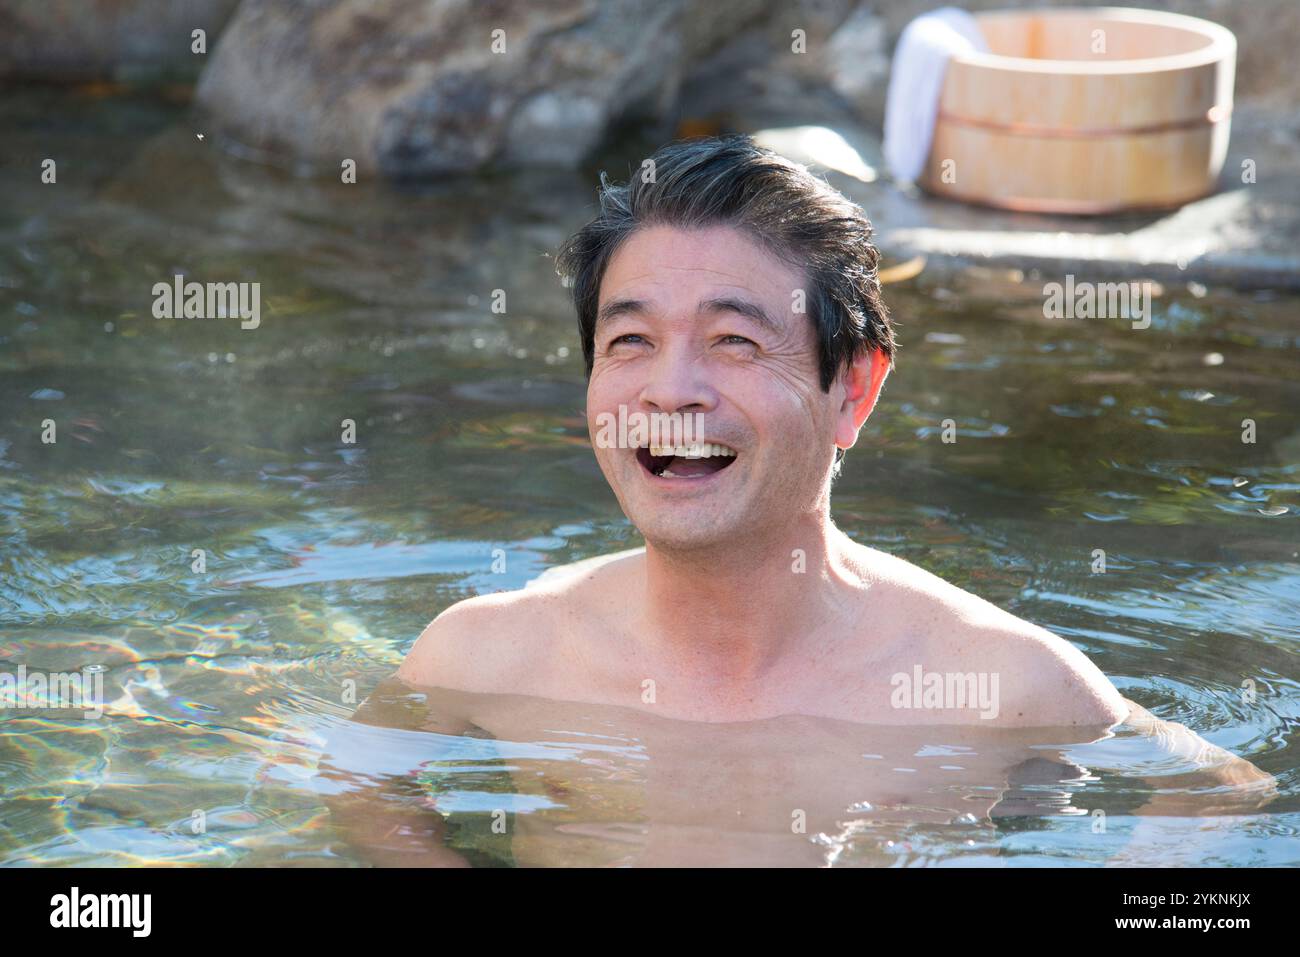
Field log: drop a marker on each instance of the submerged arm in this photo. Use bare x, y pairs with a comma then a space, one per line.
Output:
1215, 781
390, 824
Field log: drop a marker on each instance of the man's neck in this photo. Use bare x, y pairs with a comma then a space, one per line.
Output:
730, 615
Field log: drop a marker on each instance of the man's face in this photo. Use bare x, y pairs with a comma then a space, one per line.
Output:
704, 321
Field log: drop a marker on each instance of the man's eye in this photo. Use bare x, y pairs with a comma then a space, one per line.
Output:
628, 337
741, 340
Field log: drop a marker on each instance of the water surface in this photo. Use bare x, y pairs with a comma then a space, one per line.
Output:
230, 689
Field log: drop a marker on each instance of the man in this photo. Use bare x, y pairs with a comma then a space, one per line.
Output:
751, 658
735, 285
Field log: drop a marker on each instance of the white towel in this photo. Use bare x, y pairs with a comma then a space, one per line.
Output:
916, 81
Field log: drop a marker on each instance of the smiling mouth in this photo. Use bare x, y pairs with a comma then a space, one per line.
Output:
686, 461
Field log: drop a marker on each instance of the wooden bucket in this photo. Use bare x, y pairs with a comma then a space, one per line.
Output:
1085, 111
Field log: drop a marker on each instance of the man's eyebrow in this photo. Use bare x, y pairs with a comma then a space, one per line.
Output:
752, 310
619, 307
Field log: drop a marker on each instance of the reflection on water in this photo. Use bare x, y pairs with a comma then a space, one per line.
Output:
229, 689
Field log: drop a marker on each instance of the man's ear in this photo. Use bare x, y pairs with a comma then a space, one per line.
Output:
862, 382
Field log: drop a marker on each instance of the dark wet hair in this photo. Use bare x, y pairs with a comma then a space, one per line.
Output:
731, 181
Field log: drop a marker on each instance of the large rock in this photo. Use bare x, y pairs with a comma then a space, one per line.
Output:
414, 87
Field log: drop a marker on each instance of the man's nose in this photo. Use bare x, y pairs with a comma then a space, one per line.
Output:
677, 382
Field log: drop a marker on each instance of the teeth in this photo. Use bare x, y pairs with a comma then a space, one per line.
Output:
699, 451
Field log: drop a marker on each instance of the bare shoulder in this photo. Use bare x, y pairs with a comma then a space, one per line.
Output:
476, 644
1042, 679
512, 642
